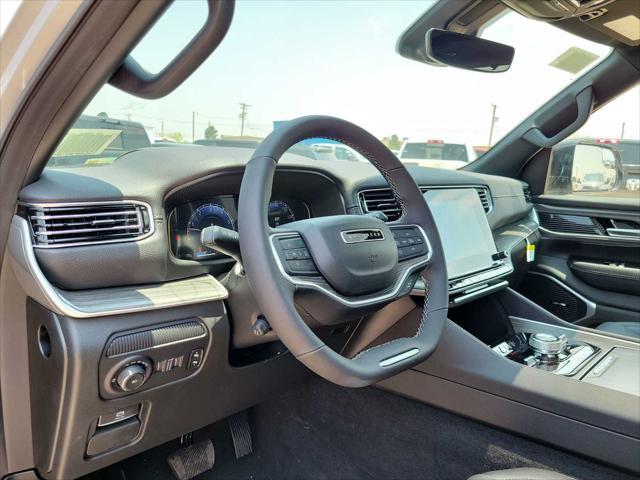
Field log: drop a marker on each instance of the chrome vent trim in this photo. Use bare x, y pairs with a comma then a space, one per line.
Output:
382, 200
56, 225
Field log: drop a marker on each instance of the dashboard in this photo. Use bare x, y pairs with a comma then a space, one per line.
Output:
201, 189
186, 221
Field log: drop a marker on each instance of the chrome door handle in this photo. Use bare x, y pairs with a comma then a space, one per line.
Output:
623, 232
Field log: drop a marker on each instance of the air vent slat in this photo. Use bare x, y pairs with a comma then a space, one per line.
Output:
381, 200
40, 216
73, 224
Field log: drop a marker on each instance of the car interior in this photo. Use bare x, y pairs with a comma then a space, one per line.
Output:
246, 308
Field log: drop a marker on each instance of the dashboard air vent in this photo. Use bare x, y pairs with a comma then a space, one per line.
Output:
485, 198
80, 224
380, 200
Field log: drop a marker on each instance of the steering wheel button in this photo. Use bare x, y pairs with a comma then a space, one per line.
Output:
298, 267
291, 243
304, 253
418, 240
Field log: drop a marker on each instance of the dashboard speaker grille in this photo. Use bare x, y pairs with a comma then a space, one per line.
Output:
157, 337
570, 224
73, 224
382, 200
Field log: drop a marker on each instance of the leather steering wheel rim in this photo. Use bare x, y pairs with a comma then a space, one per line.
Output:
274, 293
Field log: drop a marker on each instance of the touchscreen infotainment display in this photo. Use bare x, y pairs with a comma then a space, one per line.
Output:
464, 230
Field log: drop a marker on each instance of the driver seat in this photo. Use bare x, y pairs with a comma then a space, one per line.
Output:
521, 474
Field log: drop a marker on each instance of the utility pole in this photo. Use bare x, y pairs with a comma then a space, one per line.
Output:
193, 127
493, 122
243, 116
622, 132
162, 129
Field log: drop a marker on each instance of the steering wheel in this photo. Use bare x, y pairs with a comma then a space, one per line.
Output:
354, 260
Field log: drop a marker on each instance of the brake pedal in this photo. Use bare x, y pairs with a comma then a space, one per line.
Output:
241, 434
193, 460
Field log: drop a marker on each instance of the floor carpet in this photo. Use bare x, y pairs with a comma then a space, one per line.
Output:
319, 431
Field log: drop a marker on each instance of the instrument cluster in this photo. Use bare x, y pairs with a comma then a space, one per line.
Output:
187, 221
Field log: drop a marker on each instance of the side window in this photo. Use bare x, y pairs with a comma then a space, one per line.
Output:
603, 157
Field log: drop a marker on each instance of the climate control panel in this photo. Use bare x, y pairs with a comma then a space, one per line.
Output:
139, 359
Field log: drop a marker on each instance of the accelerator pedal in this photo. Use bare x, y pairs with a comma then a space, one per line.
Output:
192, 460
241, 434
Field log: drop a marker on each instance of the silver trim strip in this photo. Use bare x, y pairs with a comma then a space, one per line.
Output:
152, 223
412, 266
387, 362
105, 301
462, 299
591, 306
600, 238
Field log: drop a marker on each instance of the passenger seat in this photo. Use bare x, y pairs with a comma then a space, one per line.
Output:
628, 329
521, 474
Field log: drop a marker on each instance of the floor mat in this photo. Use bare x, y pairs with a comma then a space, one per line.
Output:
320, 431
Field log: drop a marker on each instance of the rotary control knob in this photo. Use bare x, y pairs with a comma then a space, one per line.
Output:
547, 344
131, 377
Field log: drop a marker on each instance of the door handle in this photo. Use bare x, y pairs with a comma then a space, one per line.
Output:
624, 232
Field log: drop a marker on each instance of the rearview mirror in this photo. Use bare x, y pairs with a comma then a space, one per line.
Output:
468, 52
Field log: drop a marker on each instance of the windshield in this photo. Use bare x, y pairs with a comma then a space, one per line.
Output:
333, 58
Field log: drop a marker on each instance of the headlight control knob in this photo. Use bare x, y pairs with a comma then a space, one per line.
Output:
131, 377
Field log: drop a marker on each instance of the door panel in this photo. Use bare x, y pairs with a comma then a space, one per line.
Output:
584, 272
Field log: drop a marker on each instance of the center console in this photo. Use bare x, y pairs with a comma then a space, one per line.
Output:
588, 356
504, 360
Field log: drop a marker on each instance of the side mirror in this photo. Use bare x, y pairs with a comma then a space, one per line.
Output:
584, 167
466, 51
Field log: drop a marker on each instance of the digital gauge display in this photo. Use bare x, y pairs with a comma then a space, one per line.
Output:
280, 213
207, 215
187, 220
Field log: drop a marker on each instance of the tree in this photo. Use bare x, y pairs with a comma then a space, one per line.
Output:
177, 136
210, 133
392, 142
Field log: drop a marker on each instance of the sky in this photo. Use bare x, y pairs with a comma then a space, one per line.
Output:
7, 10
292, 58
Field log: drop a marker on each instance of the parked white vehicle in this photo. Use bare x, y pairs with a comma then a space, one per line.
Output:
336, 151
436, 153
